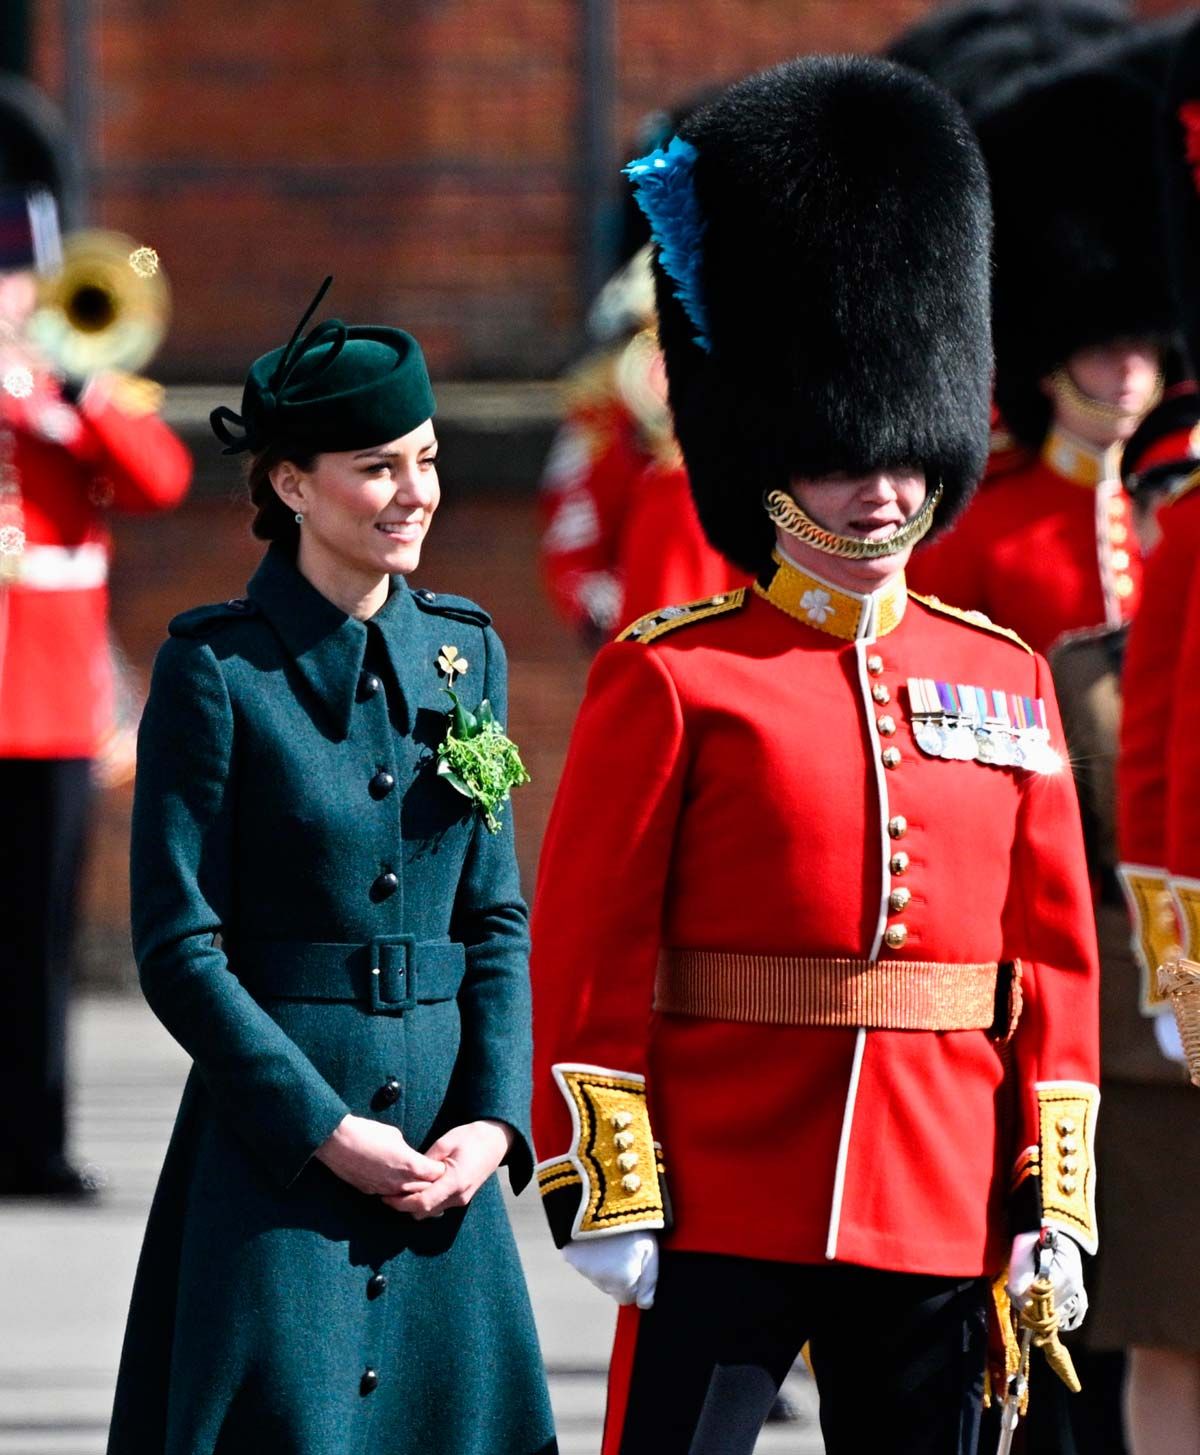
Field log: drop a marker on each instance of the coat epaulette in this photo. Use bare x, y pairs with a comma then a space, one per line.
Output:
972, 618
667, 618
458, 607
200, 620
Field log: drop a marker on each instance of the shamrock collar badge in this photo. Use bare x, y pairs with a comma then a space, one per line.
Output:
475, 757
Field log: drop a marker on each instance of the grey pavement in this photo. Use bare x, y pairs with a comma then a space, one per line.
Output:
66, 1273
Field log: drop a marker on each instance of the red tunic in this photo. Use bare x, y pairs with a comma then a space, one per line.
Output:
726, 790
620, 531
664, 554
56, 689
1045, 549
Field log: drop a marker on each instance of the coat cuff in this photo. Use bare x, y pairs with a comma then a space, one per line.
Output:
1155, 928
1054, 1183
1185, 897
612, 1180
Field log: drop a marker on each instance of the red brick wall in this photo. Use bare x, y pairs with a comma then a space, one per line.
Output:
423, 150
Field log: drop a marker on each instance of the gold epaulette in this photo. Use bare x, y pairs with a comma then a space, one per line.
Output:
972, 618
658, 623
1067, 1157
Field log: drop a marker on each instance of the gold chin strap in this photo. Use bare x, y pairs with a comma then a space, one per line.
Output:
1066, 390
789, 516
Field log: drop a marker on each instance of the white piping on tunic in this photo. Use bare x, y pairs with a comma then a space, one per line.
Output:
867, 626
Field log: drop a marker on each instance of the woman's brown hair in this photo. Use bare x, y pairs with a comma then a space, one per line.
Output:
273, 520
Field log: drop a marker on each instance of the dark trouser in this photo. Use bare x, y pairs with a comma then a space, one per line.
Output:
898, 1358
43, 822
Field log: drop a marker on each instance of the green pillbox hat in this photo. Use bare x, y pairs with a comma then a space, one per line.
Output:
339, 388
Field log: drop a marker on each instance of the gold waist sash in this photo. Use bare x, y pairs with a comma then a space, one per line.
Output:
798, 990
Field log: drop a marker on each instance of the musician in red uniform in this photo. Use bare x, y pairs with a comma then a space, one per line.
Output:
813, 944
1082, 315
68, 455
614, 479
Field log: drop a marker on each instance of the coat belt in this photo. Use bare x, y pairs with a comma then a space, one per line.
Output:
794, 990
387, 975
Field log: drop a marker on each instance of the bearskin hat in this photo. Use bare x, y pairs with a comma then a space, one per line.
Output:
1180, 140
1080, 250
980, 50
822, 233
34, 149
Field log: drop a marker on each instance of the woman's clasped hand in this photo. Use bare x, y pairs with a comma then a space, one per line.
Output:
375, 1158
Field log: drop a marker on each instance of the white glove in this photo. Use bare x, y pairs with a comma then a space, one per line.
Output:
1065, 1272
1166, 1033
625, 1265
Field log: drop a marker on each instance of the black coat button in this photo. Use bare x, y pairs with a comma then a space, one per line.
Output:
369, 1381
376, 1285
387, 1095
368, 684
386, 884
382, 784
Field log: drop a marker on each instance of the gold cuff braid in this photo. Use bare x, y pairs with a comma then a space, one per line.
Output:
1155, 932
614, 1153
1067, 1157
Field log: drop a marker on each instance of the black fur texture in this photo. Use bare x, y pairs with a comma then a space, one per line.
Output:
1081, 249
980, 50
845, 273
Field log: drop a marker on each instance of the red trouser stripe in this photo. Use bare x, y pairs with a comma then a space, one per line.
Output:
620, 1373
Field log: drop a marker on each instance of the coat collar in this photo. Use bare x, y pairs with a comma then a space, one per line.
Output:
829, 608
328, 646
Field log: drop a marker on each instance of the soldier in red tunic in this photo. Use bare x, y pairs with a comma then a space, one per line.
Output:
812, 938
1083, 315
68, 455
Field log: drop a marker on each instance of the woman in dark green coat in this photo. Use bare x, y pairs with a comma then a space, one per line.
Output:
327, 916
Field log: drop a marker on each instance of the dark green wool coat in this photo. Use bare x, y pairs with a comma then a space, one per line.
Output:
290, 835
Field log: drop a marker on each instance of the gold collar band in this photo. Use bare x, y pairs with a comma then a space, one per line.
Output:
790, 517
831, 609
1078, 461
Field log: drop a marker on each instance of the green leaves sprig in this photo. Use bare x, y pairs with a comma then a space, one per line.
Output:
477, 759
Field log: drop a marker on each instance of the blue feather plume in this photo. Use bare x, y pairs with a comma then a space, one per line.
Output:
663, 189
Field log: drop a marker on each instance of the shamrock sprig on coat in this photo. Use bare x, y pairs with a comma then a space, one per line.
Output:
475, 757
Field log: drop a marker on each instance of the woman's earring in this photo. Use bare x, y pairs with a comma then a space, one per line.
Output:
299, 518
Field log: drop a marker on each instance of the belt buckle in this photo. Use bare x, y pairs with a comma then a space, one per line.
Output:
392, 979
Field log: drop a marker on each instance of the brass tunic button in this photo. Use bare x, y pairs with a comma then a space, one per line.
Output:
1067, 1185
874, 665
898, 826
1118, 533
896, 936
899, 899
1120, 560
891, 757
1066, 1126
369, 1382
881, 693
1124, 586
631, 1182
898, 863
887, 726
376, 1284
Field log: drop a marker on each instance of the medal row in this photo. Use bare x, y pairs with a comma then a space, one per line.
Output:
963, 723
